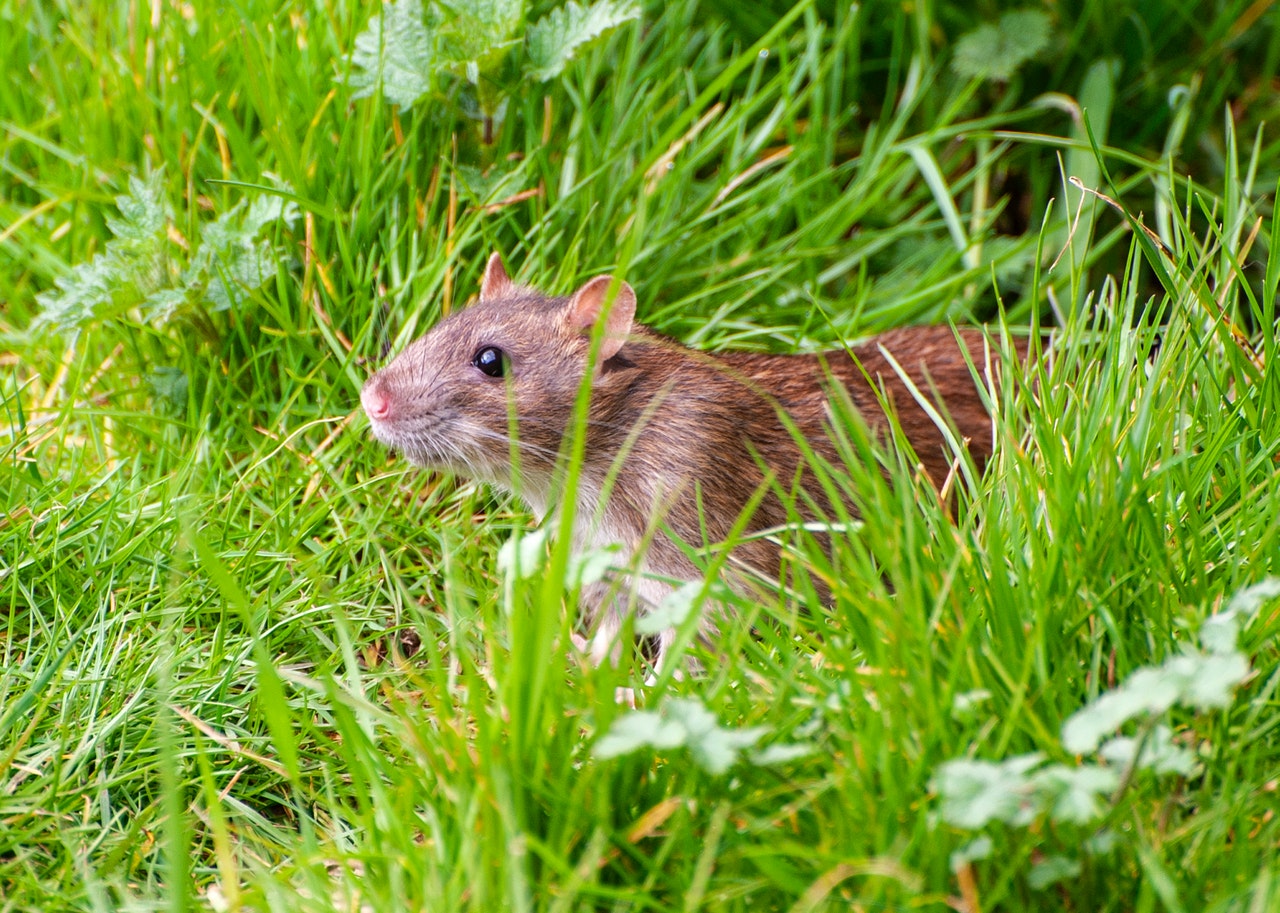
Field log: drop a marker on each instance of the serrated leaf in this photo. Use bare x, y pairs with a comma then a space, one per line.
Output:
394, 54
1248, 600
680, 723
524, 553
672, 611
169, 388
1051, 870
130, 268
639, 729
780, 754
136, 268
996, 51
1221, 632
158, 307
1212, 680
231, 259
1198, 680
964, 704
976, 792
1159, 753
592, 565
972, 851
237, 269
1075, 794
556, 38
144, 212
1145, 691
266, 208
481, 189
478, 35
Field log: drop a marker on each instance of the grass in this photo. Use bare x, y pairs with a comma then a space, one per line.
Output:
214, 578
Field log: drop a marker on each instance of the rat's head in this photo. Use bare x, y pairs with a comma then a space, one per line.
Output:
446, 401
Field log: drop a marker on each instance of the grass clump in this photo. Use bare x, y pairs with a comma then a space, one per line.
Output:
249, 662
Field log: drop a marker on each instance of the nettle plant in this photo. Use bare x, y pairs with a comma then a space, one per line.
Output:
466, 51
1026, 793
149, 273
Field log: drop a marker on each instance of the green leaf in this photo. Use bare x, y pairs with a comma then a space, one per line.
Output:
481, 188
965, 705
524, 553
395, 55
134, 270
1201, 681
1075, 794
555, 39
973, 851
1220, 632
129, 270
1210, 681
144, 212
639, 729
780, 754
997, 51
680, 723
977, 792
478, 35
672, 611
169, 388
1051, 870
1159, 753
1145, 691
231, 259
591, 566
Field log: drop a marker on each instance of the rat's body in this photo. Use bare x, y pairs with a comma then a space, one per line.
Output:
676, 437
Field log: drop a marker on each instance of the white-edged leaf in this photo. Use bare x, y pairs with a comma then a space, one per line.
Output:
555, 39
1199, 680
591, 566
524, 553
1220, 632
672, 611
394, 54
1248, 600
977, 792
997, 50
638, 729
780, 754
130, 269
1075, 793
1212, 680
1159, 753
679, 723
965, 704
973, 851
1051, 870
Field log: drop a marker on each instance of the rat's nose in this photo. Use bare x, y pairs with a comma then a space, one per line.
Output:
376, 399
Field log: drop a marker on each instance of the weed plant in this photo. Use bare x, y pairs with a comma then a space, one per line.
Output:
249, 660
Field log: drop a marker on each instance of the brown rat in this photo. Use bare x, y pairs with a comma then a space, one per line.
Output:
671, 433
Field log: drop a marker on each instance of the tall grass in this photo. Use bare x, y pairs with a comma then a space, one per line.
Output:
252, 662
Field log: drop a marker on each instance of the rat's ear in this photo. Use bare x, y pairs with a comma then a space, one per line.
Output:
496, 282
588, 302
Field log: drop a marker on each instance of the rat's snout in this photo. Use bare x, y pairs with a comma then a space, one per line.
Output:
376, 399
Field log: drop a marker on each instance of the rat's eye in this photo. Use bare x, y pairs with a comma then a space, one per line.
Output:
491, 361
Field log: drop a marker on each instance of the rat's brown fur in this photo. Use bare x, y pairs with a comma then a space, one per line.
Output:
681, 434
